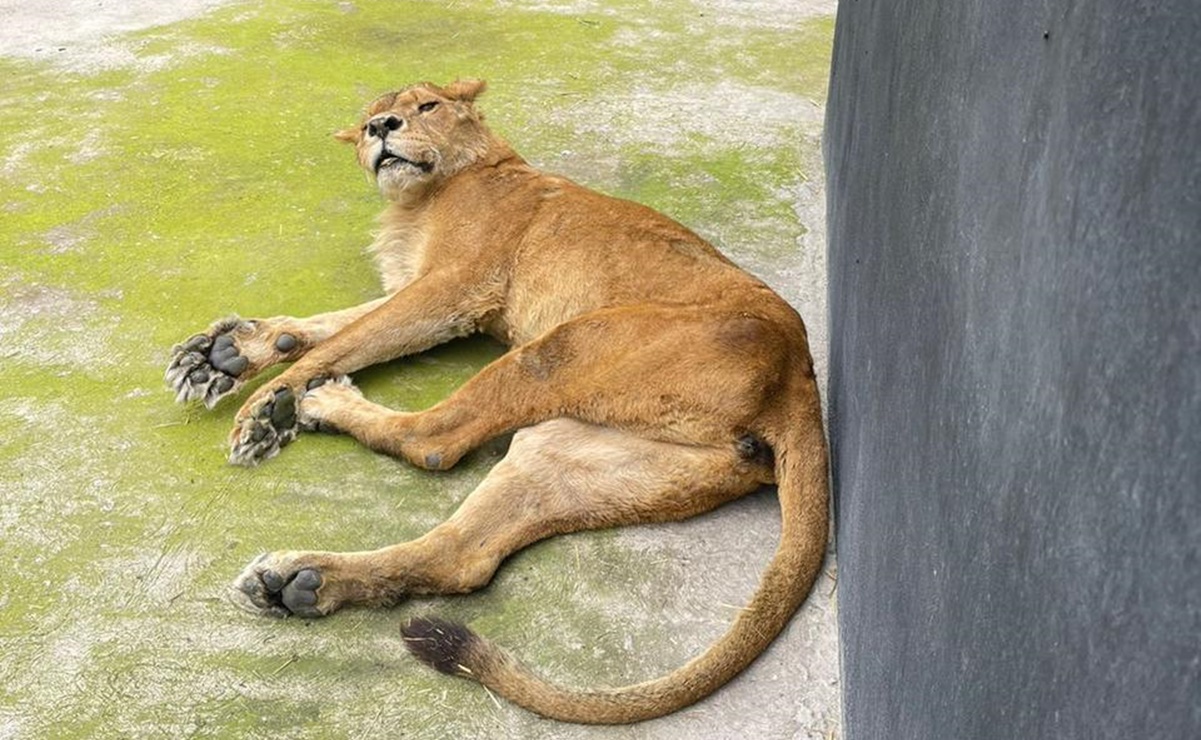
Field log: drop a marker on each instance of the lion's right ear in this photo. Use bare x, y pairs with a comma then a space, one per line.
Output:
465, 90
349, 135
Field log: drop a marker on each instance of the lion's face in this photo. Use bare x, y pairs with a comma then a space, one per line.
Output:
419, 135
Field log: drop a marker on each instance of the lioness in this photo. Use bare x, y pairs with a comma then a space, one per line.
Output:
650, 380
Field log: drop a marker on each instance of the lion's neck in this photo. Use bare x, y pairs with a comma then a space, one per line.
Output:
416, 214
498, 152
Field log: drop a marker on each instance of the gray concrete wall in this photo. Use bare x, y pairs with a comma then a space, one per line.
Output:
1015, 371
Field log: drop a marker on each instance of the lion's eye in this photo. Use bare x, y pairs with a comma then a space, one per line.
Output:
427, 107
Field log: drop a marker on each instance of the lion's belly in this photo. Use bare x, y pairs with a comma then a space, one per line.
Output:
532, 312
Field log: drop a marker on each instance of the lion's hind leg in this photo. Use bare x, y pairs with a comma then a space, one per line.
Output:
559, 476
679, 375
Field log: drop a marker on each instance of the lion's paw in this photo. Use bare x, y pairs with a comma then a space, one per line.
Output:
321, 399
266, 426
208, 367
280, 585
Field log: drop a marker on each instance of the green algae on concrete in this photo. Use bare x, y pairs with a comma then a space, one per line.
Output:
140, 202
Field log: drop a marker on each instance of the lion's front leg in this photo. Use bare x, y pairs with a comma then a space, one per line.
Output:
212, 365
429, 311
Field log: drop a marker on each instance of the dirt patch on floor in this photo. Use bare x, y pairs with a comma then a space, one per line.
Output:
89, 35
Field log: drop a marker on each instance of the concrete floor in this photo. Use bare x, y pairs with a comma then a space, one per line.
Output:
164, 164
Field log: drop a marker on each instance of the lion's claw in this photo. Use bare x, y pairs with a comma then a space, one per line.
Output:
207, 366
269, 426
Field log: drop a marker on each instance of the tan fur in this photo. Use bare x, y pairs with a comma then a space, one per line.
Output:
651, 380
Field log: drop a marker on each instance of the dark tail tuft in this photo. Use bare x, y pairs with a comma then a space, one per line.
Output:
444, 645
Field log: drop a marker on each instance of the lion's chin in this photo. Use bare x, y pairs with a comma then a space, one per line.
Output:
399, 180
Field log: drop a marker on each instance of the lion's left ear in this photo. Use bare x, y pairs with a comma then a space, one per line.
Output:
466, 90
349, 135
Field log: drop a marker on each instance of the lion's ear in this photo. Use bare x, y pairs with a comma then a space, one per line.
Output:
349, 135
466, 90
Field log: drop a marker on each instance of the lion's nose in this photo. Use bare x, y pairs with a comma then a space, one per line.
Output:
381, 125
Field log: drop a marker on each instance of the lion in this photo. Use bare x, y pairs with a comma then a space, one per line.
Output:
648, 379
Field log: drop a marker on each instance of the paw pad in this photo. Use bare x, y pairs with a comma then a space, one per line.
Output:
264, 590
285, 343
268, 428
206, 367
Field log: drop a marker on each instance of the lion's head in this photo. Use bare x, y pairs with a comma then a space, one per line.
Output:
420, 135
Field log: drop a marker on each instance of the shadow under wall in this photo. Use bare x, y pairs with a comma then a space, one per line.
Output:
1015, 373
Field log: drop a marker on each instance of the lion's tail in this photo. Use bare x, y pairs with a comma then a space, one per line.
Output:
800, 466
